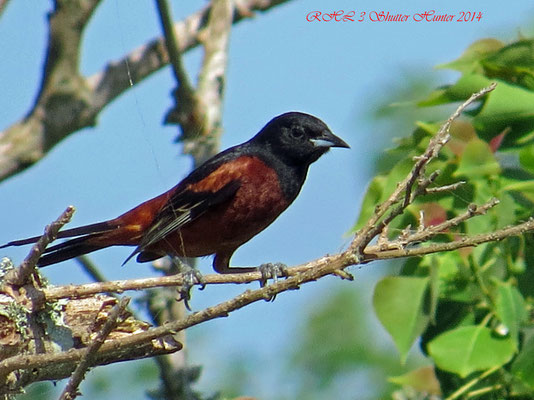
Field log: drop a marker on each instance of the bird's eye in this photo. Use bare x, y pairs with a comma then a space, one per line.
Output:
296, 133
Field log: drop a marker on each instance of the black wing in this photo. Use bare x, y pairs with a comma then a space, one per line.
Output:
183, 207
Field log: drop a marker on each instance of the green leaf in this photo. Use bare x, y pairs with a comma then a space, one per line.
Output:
522, 186
526, 157
510, 308
396, 175
461, 90
380, 188
505, 210
523, 365
470, 348
513, 63
370, 201
518, 55
477, 161
470, 60
399, 304
427, 127
507, 107
526, 188
422, 380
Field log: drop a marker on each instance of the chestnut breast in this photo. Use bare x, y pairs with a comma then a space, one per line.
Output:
256, 204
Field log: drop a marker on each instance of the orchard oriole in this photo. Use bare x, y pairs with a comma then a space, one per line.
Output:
219, 206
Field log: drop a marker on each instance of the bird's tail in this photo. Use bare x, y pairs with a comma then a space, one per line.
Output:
86, 239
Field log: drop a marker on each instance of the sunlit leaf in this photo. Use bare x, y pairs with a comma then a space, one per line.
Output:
526, 188
461, 90
371, 199
470, 348
399, 303
471, 58
477, 160
507, 107
526, 157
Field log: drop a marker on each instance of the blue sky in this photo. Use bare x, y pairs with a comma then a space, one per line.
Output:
277, 62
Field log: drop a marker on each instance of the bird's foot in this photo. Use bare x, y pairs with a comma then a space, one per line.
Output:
272, 271
192, 277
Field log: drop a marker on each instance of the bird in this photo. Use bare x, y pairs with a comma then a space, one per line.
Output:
218, 207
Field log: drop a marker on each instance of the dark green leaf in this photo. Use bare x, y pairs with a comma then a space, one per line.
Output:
523, 365
399, 304
510, 308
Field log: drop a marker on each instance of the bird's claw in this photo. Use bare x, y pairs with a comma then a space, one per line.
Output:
191, 277
272, 271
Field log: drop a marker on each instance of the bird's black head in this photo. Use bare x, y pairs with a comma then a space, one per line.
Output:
297, 138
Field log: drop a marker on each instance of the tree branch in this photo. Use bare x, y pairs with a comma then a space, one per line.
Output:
19, 276
71, 390
404, 189
3, 4
64, 340
67, 101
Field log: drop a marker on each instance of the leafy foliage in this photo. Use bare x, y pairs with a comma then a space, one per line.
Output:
472, 308
336, 350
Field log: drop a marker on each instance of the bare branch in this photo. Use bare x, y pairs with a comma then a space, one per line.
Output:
20, 275
377, 222
68, 101
172, 46
308, 272
70, 391
211, 83
68, 326
371, 253
3, 4
445, 188
428, 233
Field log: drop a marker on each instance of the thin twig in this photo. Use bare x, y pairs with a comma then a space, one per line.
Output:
445, 188
473, 382
173, 48
90, 268
433, 230
485, 390
71, 390
20, 275
375, 253
378, 221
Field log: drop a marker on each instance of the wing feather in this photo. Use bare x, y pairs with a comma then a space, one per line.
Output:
182, 208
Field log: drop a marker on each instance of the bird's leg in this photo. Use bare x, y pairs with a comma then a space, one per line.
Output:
272, 271
221, 264
192, 277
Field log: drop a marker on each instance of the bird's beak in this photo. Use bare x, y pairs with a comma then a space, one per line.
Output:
328, 139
